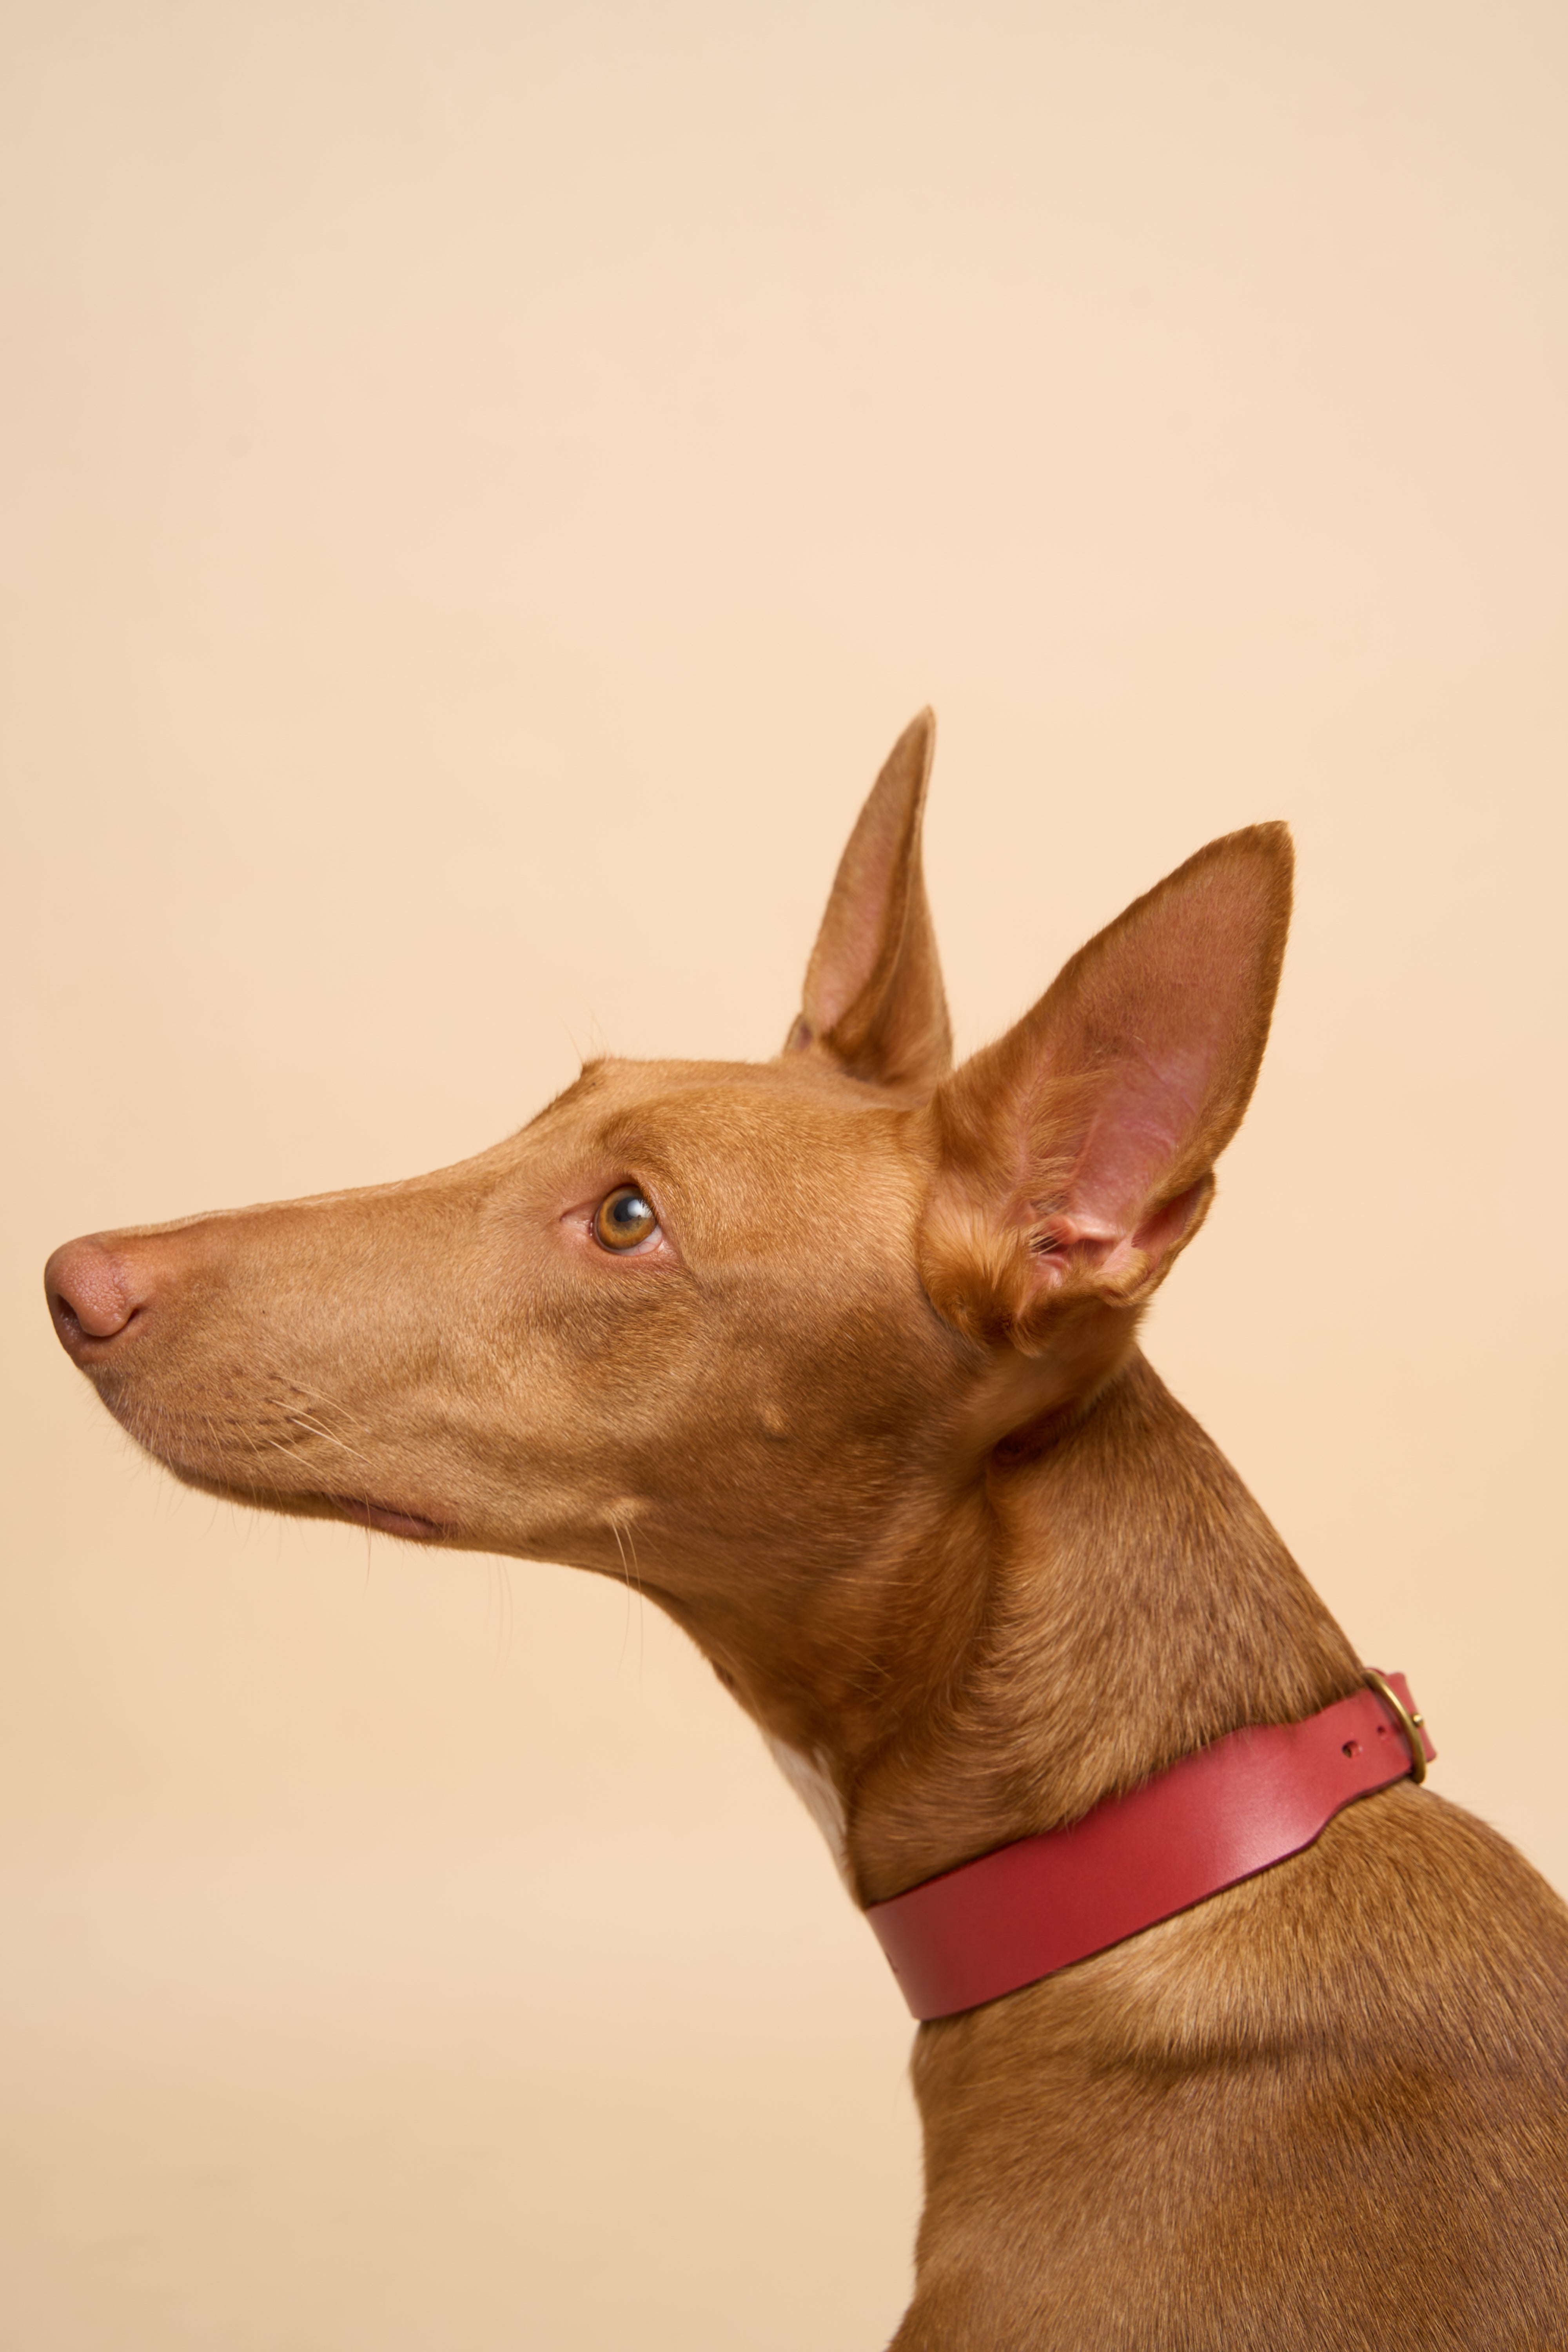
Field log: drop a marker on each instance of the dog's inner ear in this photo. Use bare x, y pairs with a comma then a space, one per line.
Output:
1076, 1154
873, 998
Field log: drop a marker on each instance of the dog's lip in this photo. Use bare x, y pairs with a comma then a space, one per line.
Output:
391, 1523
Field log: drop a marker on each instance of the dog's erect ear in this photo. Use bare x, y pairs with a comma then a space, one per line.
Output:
1076, 1154
873, 1000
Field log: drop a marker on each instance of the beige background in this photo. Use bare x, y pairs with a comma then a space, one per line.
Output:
484, 487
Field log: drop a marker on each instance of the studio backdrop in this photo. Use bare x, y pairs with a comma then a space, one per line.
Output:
484, 485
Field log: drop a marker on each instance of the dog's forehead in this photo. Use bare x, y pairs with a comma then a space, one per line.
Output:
795, 1125
730, 1104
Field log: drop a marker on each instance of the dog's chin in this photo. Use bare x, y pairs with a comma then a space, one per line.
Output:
360, 1510
167, 1437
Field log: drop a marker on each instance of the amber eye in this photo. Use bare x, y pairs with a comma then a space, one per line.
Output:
624, 1218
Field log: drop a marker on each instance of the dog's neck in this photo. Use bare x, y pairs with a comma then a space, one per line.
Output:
1103, 1606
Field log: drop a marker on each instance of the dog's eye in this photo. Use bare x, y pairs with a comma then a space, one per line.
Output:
624, 1218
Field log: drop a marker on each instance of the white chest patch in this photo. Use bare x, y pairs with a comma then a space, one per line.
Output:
810, 1778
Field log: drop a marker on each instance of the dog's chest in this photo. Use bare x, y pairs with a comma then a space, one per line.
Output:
809, 1777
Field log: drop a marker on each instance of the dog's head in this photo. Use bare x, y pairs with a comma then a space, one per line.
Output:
734, 1330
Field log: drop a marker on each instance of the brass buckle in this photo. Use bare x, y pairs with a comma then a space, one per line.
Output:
1410, 1725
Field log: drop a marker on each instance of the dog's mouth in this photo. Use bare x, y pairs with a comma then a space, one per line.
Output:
166, 1436
389, 1522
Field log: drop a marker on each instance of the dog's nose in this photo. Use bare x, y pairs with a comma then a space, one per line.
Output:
93, 1294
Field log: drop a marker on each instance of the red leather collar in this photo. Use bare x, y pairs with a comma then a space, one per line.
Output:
1253, 1798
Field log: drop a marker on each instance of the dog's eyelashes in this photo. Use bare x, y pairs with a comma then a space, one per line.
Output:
624, 1218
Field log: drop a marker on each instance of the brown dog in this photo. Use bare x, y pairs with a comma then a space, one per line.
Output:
843, 1345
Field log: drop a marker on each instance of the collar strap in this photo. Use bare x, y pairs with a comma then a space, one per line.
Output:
1235, 1808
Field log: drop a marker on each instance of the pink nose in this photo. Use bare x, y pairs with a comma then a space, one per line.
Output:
92, 1292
